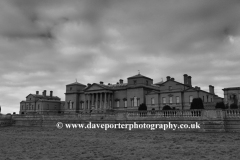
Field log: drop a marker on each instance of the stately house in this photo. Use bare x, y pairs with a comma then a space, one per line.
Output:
232, 96
41, 104
100, 97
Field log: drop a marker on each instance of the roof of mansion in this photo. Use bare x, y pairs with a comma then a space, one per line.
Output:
45, 97
125, 86
139, 76
231, 88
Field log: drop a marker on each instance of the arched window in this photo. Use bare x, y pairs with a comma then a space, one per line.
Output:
135, 101
125, 103
70, 104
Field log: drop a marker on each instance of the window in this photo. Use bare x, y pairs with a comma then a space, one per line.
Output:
177, 100
152, 101
138, 102
147, 82
170, 100
132, 103
70, 88
118, 103
170, 87
81, 105
211, 99
125, 103
164, 100
135, 81
207, 98
135, 102
203, 98
190, 99
70, 104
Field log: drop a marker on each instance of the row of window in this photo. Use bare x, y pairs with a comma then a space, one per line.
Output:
32, 107
177, 100
171, 100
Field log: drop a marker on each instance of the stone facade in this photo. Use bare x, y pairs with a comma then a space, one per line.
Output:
100, 97
180, 95
41, 104
232, 96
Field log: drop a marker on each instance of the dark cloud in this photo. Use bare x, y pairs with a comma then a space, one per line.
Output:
49, 43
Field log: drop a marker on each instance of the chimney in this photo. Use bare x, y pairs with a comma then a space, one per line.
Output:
121, 81
88, 84
210, 88
168, 78
51, 93
185, 78
37, 92
101, 82
44, 93
172, 79
189, 80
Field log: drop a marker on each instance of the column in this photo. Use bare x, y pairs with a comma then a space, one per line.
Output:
105, 101
88, 98
113, 101
100, 101
108, 100
96, 106
92, 102
84, 103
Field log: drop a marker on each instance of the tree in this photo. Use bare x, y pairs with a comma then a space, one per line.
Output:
233, 106
197, 103
153, 111
220, 105
167, 107
142, 107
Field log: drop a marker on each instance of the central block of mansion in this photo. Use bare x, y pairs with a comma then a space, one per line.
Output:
99, 97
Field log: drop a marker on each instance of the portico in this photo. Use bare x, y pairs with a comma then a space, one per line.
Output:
98, 100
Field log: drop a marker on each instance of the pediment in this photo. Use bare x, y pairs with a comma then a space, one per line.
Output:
95, 87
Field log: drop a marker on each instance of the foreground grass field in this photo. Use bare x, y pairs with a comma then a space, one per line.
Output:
52, 143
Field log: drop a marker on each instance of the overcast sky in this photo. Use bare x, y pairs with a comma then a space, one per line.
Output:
47, 44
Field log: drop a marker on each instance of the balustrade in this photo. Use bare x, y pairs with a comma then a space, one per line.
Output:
232, 113
167, 113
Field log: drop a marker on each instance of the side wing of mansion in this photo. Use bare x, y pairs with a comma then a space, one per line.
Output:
100, 97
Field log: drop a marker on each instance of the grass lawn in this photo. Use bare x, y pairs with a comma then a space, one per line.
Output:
52, 143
